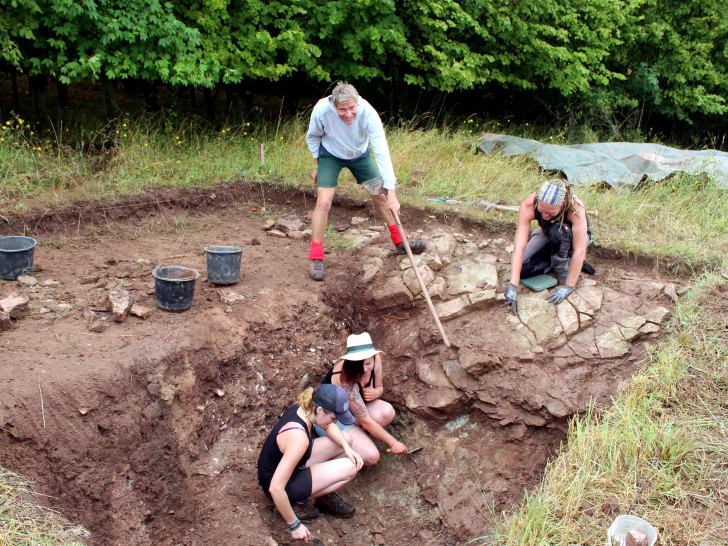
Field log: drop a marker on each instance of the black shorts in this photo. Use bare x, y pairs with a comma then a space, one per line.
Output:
298, 487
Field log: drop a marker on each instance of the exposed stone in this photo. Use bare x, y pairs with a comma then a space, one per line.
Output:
343, 227
230, 296
141, 311
380, 229
370, 269
655, 314
670, 292
276, 233
410, 278
611, 343
296, 235
433, 374
97, 324
50, 283
568, 317
438, 402
355, 238
27, 280
445, 247
477, 363
471, 276
647, 290
307, 234
533, 420
268, 225
358, 220
540, 317
432, 259
649, 328
16, 306
287, 226
437, 288
583, 344
587, 300
392, 294
5, 322
458, 376
482, 299
64, 307
451, 309
635, 537
558, 408
119, 304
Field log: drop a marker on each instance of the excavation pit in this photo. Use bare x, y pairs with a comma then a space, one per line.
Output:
148, 431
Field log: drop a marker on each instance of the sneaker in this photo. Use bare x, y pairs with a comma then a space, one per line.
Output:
334, 505
305, 511
317, 271
417, 247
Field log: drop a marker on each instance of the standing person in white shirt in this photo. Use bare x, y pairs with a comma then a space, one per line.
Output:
341, 130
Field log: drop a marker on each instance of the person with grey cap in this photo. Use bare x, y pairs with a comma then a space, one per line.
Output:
341, 131
359, 372
558, 244
293, 467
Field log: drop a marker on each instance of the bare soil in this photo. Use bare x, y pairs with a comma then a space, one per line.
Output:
148, 431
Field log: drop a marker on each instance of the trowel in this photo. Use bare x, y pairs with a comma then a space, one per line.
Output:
414, 450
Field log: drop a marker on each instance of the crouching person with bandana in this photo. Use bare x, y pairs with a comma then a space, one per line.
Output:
293, 467
557, 245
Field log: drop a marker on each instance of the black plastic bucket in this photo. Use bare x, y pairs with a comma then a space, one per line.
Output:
223, 264
16, 256
174, 287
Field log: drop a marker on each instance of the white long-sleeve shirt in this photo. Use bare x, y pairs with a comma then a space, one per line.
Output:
350, 141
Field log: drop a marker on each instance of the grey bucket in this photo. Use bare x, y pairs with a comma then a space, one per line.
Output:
174, 287
16, 256
223, 264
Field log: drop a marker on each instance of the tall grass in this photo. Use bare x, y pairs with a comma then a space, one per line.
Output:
23, 522
683, 217
661, 451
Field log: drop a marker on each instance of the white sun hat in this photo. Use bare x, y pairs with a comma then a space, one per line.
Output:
359, 347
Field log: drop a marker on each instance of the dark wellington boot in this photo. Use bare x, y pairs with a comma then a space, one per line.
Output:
417, 247
334, 505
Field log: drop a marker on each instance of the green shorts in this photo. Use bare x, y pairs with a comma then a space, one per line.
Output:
363, 169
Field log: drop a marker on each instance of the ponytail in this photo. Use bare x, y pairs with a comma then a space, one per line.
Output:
305, 400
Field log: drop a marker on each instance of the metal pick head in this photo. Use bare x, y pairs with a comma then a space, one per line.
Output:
373, 185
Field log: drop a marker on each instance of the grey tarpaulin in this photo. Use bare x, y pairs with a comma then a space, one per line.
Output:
619, 164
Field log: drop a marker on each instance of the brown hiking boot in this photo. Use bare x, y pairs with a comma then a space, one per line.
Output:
317, 271
334, 505
305, 511
417, 247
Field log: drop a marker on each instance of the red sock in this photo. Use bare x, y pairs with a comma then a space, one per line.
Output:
394, 233
317, 251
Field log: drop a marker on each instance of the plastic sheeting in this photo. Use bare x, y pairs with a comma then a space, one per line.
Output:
622, 165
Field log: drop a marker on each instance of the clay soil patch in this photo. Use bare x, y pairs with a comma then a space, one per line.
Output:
148, 431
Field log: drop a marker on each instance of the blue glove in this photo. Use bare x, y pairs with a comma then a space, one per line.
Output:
511, 293
560, 294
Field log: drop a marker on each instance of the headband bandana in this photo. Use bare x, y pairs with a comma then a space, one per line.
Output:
552, 194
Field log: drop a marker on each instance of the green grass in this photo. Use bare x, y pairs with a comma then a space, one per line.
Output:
23, 522
683, 218
661, 449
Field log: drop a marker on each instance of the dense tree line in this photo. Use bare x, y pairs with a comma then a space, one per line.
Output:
664, 56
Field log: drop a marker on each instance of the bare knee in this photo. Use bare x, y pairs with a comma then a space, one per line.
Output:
371, 456
323, 204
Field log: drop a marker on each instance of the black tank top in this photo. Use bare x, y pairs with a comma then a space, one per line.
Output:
327, 378
546, 224
271, 455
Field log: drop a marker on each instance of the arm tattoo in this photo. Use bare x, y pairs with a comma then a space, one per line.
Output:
357, 406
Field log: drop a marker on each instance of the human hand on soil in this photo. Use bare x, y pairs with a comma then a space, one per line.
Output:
314, 175
398, 448
302, 533
560, 294
511, 294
